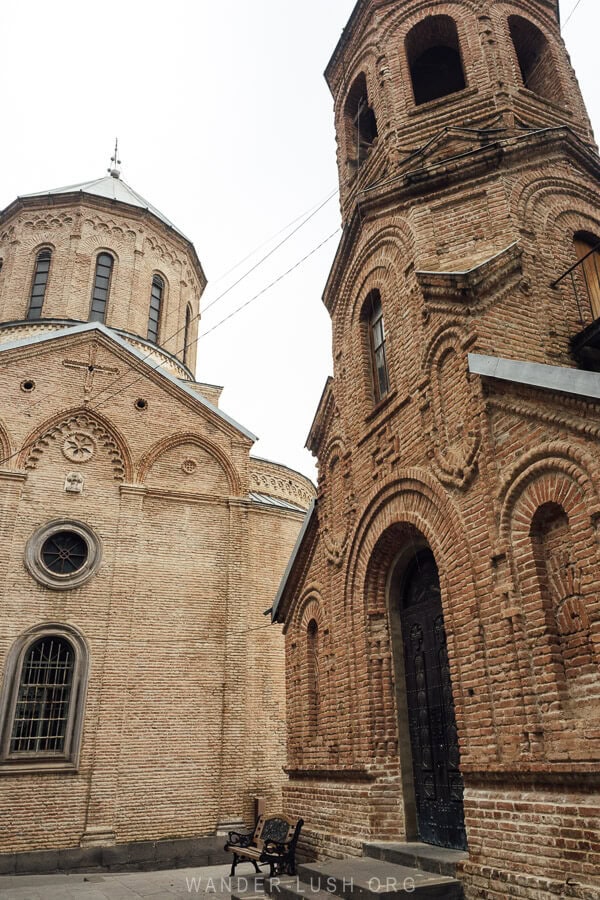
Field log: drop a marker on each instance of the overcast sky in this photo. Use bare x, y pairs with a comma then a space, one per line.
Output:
225, 124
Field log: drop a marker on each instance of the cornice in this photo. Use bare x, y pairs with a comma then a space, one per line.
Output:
82, 199
411, 184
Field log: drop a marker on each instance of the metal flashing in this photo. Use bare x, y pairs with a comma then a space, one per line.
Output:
538, 375
288, 569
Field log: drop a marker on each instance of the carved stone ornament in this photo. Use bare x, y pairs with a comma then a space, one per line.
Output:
74, 483
189, 466
78, 447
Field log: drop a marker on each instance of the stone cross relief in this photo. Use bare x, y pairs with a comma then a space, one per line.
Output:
91, 369
74, 483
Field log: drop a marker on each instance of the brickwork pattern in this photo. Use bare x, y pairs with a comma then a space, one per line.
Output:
76, 231
184, 715
501, 481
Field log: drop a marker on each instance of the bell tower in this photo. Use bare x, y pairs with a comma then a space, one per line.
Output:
462, 126
451, 562
403, 74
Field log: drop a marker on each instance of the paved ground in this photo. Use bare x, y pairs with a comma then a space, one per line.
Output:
210, 883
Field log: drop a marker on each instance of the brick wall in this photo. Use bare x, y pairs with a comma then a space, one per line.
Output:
185, 706
463, 240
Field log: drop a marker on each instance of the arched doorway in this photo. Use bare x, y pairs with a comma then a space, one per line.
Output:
438, 785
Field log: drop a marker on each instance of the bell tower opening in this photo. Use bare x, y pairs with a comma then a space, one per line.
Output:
433, 53
361, 124
538, 71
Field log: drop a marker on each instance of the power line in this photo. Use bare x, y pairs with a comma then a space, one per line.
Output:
271, 252
232, 314
142, 376
269, 239
260, 293
311, 213
570, 16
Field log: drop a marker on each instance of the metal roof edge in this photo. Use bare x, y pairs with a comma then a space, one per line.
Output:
121, 342
537, 375
288, 569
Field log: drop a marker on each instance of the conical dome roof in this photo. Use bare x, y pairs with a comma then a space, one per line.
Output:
111, 187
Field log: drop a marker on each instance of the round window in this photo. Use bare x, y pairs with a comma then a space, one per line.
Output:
63, 554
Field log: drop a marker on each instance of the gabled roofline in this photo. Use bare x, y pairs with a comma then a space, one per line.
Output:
312, 438
108, 333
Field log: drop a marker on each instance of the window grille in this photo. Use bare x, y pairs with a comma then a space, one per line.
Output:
64, 552
40, 280
104, 265
43, 699
155, 301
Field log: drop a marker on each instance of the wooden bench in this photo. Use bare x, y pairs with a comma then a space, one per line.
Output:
273, 841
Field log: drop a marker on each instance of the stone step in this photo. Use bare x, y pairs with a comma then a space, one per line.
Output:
292, 888
369, 878
417, 855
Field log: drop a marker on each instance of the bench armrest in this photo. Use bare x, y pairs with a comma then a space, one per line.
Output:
239, 839
279, 848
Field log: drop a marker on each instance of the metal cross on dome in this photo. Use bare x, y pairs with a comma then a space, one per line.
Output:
114, 170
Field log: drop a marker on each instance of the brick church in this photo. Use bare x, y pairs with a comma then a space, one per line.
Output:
140, 544
442, 605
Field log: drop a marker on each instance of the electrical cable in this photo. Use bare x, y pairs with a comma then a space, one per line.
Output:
570, 16
91, 407
308, 216
230, 316
268, 241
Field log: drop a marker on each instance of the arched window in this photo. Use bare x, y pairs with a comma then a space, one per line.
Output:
156, 294
433, 54
42, 700
587, 248
104, 267
312, 662
40, 280
361, 125
538, 71
372, 315
187, 334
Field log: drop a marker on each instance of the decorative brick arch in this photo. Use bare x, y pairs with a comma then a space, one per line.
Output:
554, 459
5, 448
337, 502
309, 606
553, 591
166, 444
414, 497
308, 654
81, 419
415, 501
528, 200
382, 251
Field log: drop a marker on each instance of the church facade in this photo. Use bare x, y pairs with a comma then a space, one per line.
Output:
442, 605
141, 544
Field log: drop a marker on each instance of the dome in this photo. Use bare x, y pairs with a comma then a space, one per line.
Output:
110, 187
